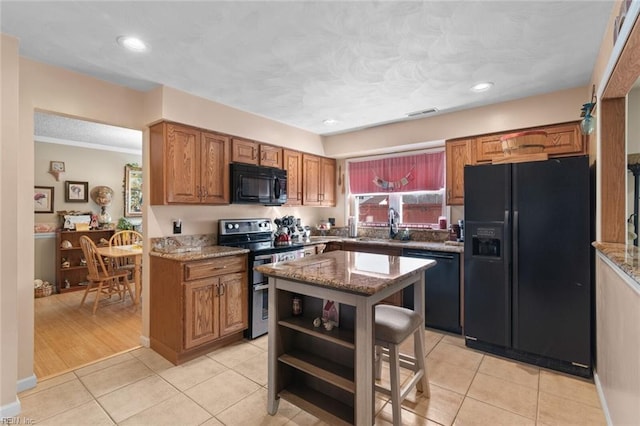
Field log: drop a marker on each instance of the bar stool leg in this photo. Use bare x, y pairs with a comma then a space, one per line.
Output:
378, 361
394, 366
418, 350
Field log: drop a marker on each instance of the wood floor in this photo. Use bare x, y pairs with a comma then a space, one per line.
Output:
67, 336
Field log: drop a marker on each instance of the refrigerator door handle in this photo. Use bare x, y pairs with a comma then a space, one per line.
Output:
514, 279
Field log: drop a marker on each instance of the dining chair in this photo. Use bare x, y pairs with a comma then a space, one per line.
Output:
125, 238
101, 279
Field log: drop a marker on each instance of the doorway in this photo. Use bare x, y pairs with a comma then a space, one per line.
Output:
67, 336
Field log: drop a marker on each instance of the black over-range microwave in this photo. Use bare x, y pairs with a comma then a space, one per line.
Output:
258, 185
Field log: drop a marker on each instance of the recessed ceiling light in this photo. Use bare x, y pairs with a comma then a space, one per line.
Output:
330, 122
132, 43
482, 87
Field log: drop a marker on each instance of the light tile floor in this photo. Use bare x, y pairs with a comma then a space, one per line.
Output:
228, 387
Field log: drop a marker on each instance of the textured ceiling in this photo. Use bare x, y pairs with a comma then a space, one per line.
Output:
362, 63
51, 128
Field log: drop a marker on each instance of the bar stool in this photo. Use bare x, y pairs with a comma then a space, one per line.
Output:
393, 325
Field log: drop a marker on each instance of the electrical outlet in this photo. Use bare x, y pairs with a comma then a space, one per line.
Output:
177, 226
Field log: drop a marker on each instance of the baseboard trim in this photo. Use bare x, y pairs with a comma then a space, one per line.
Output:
10, 410
145, 341
603, 400
27, 383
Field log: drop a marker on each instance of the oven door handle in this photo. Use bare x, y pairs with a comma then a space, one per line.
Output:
260, 287
263, 257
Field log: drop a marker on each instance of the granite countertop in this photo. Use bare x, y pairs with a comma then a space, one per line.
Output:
199, 253
355, 272
625, 256
448, 246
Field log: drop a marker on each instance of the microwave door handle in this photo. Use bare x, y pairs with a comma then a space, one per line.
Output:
276, 188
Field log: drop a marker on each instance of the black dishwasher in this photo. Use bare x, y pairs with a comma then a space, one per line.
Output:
442, 289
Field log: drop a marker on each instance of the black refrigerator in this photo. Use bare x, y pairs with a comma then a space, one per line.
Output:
527, 278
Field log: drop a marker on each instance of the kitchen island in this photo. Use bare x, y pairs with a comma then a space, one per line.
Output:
329, 372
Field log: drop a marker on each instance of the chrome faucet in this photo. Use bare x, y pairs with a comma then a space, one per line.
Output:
394, 218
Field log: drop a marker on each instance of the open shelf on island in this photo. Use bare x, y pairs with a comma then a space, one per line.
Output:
322, 368
340, 336
329, 409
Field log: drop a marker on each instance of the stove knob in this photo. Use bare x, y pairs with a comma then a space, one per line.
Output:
229, 226
236, 226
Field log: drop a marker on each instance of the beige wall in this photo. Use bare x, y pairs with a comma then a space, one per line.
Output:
52, 89
97, 167
557, 107
9, 233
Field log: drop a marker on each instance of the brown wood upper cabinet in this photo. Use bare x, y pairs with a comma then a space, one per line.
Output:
251, 152
293, 166
458, 154
562, 140
188, 165
319, 178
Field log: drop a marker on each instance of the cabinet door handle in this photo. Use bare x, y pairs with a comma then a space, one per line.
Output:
299, 195
222, 289
253, 153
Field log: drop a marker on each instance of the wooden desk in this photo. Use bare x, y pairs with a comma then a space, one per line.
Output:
134, 251
331, 373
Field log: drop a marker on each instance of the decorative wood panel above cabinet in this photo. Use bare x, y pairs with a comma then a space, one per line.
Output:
188, 165
562, 140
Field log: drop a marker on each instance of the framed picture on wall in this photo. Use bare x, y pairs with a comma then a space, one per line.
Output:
76, 192
132, 191
43, 199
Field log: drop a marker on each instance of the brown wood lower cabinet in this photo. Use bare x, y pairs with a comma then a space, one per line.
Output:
197, 306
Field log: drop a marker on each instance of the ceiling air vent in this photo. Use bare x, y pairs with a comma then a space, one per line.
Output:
422, 112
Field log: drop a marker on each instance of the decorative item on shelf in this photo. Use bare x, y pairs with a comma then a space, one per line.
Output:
94, 221
56, 168
83, 261
588, 121
317, 322
523, 146
65, 263
296, 308
102, 195
330, 313
527, 142
66, 244
71, 220
67, 284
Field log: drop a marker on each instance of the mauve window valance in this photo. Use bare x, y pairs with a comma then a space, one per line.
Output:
420, 172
